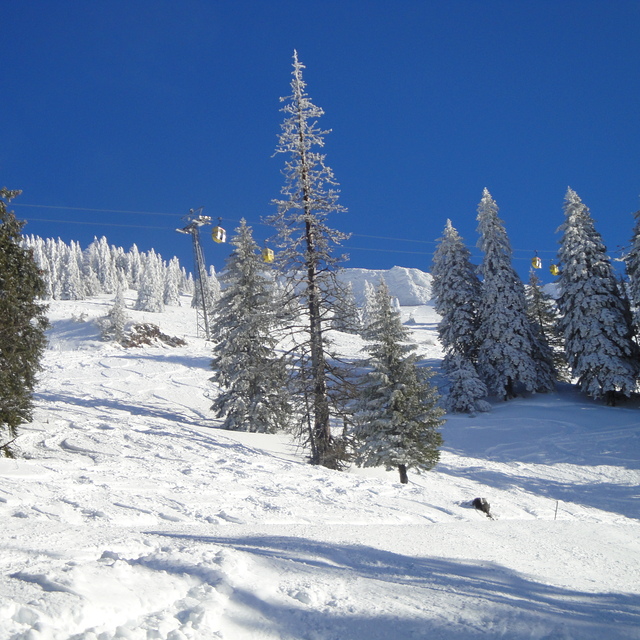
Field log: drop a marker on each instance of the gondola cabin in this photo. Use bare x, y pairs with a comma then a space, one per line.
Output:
536, 263
268, 255
219, 234
555, 271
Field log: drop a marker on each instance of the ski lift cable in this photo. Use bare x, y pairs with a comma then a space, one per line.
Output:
232, 220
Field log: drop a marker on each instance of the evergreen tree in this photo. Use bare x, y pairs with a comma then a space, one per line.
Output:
457, 292
39, 255
595, 320
369, 306
151, 288
543, 315
346, 313
307, 261
22, 325
246, 366
135, 267
52, 251
397, 422
114, 323
72, 287
172, 283
466, 390
506, 353
632, 263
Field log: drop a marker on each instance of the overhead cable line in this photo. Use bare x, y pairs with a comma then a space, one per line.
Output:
48, 206
232, 220
100, 224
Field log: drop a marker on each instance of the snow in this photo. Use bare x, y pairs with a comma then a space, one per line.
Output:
130, 515
409, 286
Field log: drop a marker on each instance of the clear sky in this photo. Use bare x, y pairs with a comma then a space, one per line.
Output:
160, 106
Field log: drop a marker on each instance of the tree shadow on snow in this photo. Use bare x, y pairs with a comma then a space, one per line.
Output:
93, 403
478, 599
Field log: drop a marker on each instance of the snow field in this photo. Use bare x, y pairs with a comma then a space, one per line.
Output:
132, 516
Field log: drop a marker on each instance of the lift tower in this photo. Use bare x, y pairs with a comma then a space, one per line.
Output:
194, 221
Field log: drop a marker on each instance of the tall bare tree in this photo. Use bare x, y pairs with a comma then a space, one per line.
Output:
306, 258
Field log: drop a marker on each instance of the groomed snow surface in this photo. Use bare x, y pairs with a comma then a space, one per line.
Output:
130, 515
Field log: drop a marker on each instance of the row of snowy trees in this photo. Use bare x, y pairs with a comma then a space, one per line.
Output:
71, 273
273, 358
500, 338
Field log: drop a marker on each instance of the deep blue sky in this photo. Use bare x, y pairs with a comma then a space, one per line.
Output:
161, 106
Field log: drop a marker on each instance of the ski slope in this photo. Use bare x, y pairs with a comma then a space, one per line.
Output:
130, 515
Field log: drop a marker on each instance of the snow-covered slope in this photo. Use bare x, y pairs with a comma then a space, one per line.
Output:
132, 516
409, 286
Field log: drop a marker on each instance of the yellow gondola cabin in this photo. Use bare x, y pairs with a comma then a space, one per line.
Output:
536, 263
267, 255
219, 234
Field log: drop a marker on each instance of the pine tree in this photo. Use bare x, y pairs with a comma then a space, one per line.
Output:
72, 287
172, 283
369, 306
457, 292
113, 325
346, 313
467, 392
306, 259
595, 320
396, 425
507, 353
246, 366
22, 325
151, 288
543, 315
632, 263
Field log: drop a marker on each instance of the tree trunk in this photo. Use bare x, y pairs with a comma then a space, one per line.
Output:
402, 468
323, 454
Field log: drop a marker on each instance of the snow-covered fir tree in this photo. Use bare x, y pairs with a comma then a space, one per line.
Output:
104, 265
249, 371
632, 263
37, 246
543, 315
113, 325
53, 253
457, 293
151, 288
172, 279
307, 260
71, 274
135, 267
346, 316
369, 306
467, 392
398, 419
595, 320
507, 350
